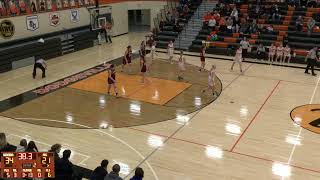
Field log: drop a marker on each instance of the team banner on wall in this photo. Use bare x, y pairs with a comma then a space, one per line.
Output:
6, 29
74, 15
32, 23
54, 19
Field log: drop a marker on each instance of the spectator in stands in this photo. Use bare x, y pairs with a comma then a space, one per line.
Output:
216, 16
275, 13
261, 52
64, 168
114, 174
222, 25
32, 147
212, 24
33, 7
312, 3
311, 60
138, 174
4, 145
186, 11
177, 27
13, 8
244, 28
254, 27
236, 25
234, 13
161, 25
299, 23
310, 25
229, 25
56, 148
101, 171
22, 6
268, 29
245, 45
23, 145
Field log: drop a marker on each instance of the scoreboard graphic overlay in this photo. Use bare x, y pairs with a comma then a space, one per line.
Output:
26, 165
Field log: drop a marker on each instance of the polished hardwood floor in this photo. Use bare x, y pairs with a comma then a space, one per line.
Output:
246, 133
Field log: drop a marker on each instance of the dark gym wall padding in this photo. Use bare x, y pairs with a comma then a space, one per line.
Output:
50, 49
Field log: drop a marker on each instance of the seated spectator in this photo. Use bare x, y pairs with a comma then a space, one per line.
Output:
64, 168
186, 10
222, 25
236, 25
138, 174
56, 148
212, 24
310, 25
13, 8
226, 11
229, 25
31, 147
101, 171
268, 29
4, 145
244, 28
22, 6
299, 23
216, 16
254, 27
275, 13
177, 27
114, 174
261, 52
23, 145
312, 3
234, 13
161, 25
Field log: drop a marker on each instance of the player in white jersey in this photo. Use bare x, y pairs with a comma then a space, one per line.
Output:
237, 59
279, 53
272, 52
211, 77
170, 49
153, 50
181, 65
286, 54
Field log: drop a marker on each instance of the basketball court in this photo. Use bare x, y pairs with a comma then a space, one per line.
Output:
168, 127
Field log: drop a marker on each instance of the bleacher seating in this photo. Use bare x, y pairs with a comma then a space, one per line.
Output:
284, 32
168, 33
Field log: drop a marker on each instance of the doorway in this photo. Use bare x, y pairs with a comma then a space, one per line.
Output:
139, 20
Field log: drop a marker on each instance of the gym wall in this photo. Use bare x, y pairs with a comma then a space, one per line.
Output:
119, 14
20, 24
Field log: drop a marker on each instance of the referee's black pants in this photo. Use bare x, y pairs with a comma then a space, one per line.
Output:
40, 66
310, 64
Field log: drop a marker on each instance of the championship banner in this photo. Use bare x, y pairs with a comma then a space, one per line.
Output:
32, 23
74, 15
54, 19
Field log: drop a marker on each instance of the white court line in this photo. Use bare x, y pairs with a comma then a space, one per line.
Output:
86, 157
103, 132
300, 130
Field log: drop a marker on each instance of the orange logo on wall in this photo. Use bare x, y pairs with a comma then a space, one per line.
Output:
307, 116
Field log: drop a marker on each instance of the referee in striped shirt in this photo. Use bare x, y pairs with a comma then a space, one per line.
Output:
41, 64
311, 59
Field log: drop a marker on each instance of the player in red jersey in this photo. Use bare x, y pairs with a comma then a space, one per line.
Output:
143, 65
202, 57
127, 57
112, 79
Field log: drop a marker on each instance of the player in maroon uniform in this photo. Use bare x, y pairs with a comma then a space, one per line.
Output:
112, 79
127, 58
143, 65
202, 57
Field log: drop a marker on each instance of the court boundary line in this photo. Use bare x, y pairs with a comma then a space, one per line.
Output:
225, 150
255, 116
